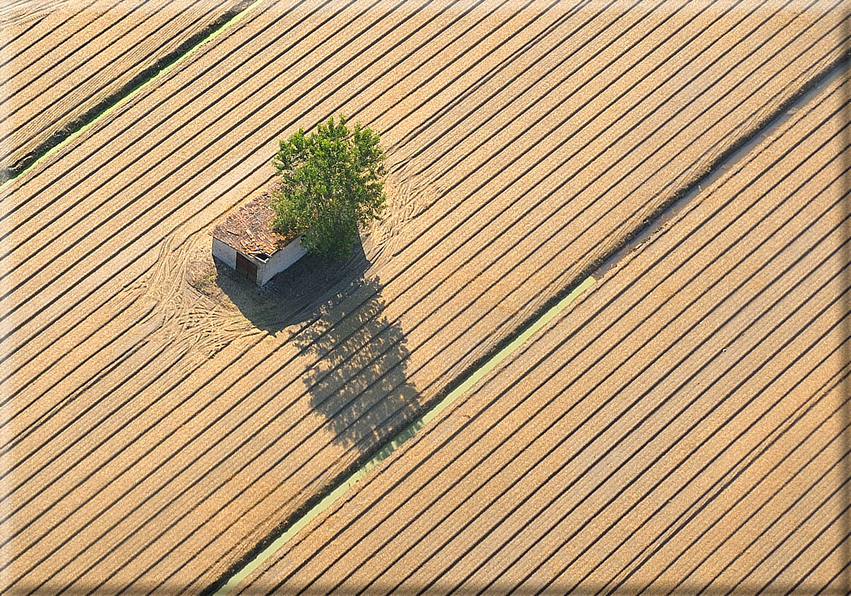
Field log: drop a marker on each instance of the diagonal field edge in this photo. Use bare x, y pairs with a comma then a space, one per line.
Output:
53, 121
137, 321
127, 92
400, 439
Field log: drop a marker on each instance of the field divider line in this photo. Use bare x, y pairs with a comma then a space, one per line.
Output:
342, 488
155, 72
402, 437
138, 47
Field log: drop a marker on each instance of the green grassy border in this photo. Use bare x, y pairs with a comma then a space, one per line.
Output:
62, 137
410, 431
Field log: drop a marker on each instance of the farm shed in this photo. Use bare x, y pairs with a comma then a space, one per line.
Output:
246, 242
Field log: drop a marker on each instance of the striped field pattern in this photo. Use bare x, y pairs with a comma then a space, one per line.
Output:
153, 435
682, 430
64, 62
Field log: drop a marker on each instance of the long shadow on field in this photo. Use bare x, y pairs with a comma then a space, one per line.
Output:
296, 295
359, 383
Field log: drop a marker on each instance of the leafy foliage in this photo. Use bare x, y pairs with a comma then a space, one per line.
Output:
332, 183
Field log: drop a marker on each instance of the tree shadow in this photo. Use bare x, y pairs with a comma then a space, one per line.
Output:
359, 382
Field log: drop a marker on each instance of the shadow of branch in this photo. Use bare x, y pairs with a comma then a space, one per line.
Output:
359, 382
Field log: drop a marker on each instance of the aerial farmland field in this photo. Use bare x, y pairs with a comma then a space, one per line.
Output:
63, 68
682, 429
162, 420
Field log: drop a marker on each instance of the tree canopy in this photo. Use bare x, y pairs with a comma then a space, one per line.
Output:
332, 182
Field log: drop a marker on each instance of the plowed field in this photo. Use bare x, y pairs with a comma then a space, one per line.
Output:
61, 61
683, 429
159, 419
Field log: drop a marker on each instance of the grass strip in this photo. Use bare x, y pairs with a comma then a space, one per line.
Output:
164, 65
403, 436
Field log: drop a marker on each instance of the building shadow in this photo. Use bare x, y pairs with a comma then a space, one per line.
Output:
358, 382
297, 294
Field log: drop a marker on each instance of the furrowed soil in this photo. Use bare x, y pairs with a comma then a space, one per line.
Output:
683, 428
160, 418
63, 61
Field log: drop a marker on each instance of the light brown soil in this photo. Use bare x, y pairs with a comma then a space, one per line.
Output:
78, 54
682, 429
155, 430
18, 17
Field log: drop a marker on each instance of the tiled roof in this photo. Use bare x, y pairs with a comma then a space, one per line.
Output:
249, 228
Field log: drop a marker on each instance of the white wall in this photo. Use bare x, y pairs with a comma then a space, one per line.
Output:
279, 261
225, 253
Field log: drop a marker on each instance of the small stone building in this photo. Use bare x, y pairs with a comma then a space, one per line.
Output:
246, 242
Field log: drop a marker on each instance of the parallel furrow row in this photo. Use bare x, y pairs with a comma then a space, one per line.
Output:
413, 322
63, 70
693, 444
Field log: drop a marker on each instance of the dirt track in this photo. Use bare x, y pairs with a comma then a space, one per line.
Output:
682, 429
151, 436
78, 54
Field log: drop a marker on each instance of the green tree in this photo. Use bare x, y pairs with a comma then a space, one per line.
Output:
332, 182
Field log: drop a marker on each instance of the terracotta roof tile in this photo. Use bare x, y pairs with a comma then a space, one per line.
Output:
249, 228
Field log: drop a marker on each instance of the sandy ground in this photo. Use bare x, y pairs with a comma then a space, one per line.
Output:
159, 419
682, 429
60, 60
23, 14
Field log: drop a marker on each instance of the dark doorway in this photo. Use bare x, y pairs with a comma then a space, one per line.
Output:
246, 267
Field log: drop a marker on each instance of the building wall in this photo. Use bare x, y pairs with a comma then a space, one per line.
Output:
225, 253
279, 261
